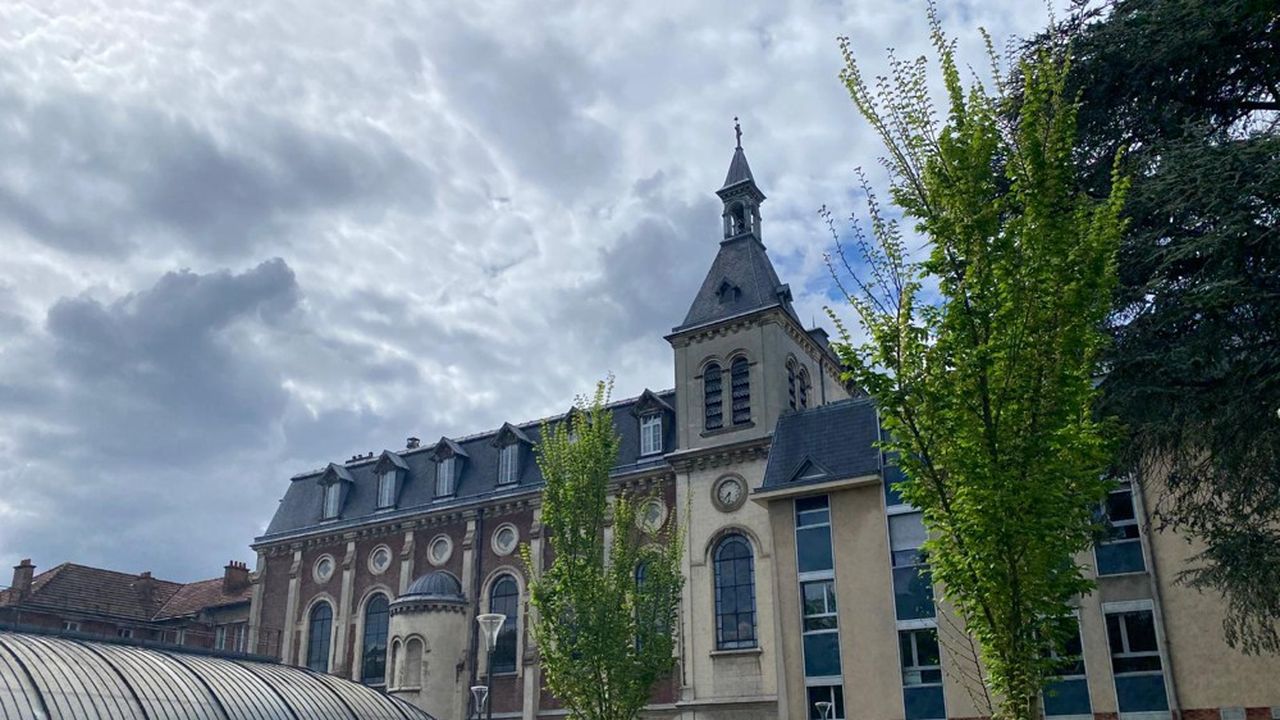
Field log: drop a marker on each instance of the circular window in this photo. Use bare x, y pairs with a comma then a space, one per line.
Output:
652, 515
505, 539
323, 569
379, 559
440, 550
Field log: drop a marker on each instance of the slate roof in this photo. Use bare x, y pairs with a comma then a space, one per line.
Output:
58, 677
742, 279
739, 170
80, 588
194, 597
300, 508
831, 442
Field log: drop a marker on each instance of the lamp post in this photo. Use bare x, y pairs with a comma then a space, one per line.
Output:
479, 693
490, 624
824, 709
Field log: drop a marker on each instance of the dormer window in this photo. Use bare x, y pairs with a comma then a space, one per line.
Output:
651, 434
332, 500
509, 463
445, 470
387, 489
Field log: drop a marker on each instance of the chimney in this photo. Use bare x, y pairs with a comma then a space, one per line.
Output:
235, 577
23, 572
412, 443
145, 585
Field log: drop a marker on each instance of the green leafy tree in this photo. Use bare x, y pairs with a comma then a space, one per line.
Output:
604, 611
1192, 88
981, 354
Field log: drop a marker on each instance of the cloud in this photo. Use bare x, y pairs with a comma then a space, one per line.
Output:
394, 219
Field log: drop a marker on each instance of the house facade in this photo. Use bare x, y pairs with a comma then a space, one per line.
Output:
804, 584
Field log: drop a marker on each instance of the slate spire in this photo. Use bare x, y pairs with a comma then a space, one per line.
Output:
741, 279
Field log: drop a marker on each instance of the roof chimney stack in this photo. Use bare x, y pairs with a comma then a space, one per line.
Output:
235, 578
146, 586
412, 443
23, 573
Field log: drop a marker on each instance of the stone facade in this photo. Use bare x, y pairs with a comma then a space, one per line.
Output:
758, 432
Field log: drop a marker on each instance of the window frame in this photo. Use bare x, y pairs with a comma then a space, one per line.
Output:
740, 381
446, 474
712, 396
1117, 529
915, 665
312, 662
510, 632
651, 433
509, 463
387, 488
332, 501
384, 629
837, 708
718, 565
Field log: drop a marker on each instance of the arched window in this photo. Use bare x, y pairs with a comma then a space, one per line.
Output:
791, 383
737, 219
374, 653
712, 405
740, 383
735, 594
319, 631
412, 664
504, 599
804, 388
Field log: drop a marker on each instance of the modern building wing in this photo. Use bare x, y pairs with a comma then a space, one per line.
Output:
60, 678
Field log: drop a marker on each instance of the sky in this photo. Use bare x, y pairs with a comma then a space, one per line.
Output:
241, 240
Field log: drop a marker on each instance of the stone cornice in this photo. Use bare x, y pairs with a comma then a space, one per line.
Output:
721, 455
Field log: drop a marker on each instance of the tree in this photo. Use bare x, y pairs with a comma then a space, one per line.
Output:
981, 356
1193, 89
604, 611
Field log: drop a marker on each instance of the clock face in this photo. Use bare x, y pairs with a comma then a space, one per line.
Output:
729, 492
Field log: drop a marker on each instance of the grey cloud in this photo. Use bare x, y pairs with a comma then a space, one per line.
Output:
92, 175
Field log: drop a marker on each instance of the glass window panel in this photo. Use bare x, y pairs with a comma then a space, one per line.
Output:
913, 593
1120, 506
833, 694
735, 593
319, 632
892, 475
812, 511
1114, 558
814, 549
906, 533
1141, 630
822, 654
1141, 693
505, 600
374, 654
924, 703
1067, 697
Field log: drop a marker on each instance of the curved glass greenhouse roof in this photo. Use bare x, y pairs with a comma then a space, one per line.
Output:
43, 676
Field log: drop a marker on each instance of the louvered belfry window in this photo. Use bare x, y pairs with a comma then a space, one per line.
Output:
791, 384
711, 397
740, 379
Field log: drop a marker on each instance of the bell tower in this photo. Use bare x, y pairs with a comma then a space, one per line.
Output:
740, 195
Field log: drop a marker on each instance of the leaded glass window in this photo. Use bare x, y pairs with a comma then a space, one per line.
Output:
734, 568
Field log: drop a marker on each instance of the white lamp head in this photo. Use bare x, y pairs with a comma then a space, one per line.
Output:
480, 694
824, 709
490, 624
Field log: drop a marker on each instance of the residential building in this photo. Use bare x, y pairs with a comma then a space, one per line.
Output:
805, 584
88, 601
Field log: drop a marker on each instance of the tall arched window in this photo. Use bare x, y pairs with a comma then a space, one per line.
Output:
319, 631
713, 408
791, 383
373, 670
804, 388
504, 599
735, 594
740, 384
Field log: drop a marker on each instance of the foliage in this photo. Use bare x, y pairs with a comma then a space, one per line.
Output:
1193, 89
986, 383
604, 638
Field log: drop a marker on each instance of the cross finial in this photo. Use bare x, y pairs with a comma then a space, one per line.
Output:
737, 130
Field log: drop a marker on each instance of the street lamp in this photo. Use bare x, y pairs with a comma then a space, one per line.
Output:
479, 693
824, 709
490, 624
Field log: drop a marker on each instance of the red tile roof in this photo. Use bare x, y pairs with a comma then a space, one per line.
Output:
78, 588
